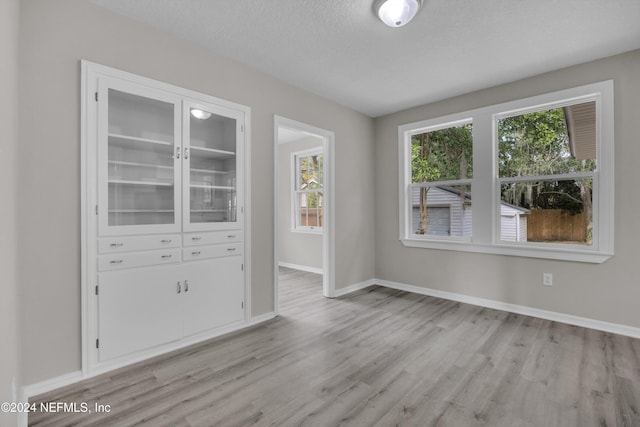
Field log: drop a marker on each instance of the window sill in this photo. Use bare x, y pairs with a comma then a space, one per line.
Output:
559, 254
307, 231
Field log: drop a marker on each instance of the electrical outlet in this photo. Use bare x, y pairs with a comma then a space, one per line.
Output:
547, 279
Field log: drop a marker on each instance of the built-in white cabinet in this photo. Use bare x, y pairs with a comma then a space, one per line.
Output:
163, 216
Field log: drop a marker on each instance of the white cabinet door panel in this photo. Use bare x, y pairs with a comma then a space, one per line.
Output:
137, 309
215, 294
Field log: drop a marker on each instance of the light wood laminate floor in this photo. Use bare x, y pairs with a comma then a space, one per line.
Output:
377, 357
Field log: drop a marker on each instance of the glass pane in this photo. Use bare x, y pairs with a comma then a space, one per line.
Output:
547, 211
548, 142
441, 211
309, 208
212, 160
442, 155
309, 176
140, 160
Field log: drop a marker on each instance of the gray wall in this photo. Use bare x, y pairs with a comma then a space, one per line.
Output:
607, 292
9, 351
54, 36
303, 249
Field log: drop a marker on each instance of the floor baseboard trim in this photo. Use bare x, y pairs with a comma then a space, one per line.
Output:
256, 320
35, 389
301, 267
355, 287
518, 309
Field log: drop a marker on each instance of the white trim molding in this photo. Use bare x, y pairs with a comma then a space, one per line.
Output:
355, 287
328, 229
35, 389
301, 267
569, 319
261, 318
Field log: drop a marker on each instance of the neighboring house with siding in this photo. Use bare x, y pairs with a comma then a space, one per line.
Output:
513, 223
449, 215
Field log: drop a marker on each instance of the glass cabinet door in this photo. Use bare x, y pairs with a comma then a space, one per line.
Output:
211, 137
139, 164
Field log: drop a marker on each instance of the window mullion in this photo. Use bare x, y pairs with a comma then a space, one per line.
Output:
557, 177
484, 175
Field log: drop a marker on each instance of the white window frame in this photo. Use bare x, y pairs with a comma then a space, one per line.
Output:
294, 190
486, 184
455, 122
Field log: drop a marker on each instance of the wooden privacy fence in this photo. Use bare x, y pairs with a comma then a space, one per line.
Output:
545, 225
311, 217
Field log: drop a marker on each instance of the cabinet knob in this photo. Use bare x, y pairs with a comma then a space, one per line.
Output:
165, 241
195, 253
179, 287
186, 286
231, 249
116, 244
166, 256
115, 261
177, 152
196, 238
186, 153
231, 236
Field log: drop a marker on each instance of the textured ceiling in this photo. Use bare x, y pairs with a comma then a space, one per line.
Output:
339, 49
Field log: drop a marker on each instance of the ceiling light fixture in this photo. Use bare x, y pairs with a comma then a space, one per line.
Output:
396, 13
199, 114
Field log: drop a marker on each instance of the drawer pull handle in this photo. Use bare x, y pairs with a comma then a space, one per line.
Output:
166, 256
195, 253
186, 286
231, 236
116, 261
165, 241
231, 249
196, 238
116, 244
179, 287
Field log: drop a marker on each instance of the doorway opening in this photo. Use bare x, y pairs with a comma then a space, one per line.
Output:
303, 202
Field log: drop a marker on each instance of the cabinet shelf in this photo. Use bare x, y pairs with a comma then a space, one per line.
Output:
213, 187
138, 165
208, 210
132, 211
147, 183
126, 140
209, 171
211, 153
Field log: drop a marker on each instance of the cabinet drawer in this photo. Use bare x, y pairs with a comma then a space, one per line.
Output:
138, 243
212, 238
212, 251
139, 259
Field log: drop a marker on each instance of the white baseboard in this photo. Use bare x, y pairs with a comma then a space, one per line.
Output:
355, 287
31, 390
261, 318
301, 267
518, 309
